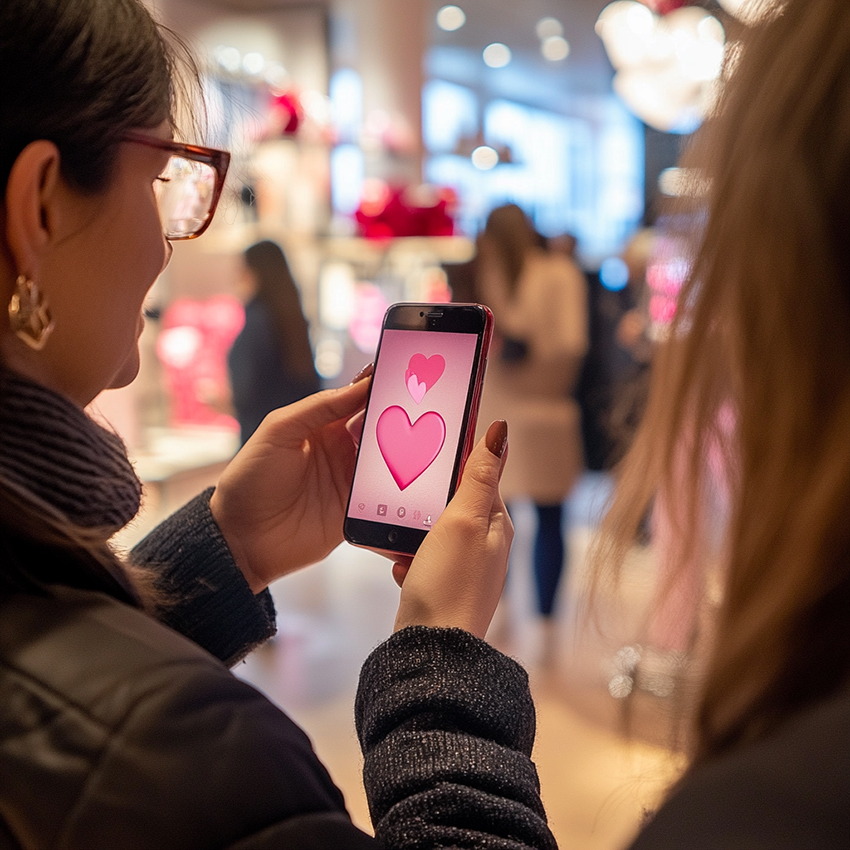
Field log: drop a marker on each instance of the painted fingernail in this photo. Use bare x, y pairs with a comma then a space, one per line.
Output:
365, 372
497, 437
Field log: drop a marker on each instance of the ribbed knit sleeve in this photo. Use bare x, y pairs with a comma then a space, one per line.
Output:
447, 724
207, 598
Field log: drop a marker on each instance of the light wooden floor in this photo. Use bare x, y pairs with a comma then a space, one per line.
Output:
595, 784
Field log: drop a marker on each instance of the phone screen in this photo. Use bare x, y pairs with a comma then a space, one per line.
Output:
414, 427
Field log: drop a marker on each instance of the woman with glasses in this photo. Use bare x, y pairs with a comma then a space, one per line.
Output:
120, 724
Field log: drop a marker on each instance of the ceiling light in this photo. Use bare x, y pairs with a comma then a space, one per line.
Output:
547, 27
667, 66
228, 57
497, 55
451, 18
555, 48
484, 158
253, 63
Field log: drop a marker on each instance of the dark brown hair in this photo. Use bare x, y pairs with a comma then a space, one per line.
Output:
277, 289
79, 73
507, 238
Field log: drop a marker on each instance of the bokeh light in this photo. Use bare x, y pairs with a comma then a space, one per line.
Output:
497, 55
484, 158
614, 274
253, 63
547, 27
451, 18
555, 48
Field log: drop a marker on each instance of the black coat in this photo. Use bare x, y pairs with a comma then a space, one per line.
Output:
118, 731
261, 381
787, 791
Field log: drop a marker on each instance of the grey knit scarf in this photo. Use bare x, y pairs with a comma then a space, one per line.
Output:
56, 456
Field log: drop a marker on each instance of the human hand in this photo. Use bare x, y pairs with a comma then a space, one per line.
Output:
457, 576
280, 503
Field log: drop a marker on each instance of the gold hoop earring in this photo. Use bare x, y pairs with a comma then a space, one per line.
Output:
29, 315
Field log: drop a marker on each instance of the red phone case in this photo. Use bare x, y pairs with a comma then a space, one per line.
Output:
470, 425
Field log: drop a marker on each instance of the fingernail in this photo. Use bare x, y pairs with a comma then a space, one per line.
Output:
365, 372
497, 437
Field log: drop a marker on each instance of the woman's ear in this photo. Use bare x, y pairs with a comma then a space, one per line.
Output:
32, 193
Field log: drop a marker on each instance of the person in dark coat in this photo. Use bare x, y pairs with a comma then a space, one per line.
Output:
271, 360
120, 722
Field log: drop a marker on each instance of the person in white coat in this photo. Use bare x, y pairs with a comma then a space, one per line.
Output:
539, 302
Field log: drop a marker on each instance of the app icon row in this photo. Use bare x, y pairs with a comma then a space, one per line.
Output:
401, 512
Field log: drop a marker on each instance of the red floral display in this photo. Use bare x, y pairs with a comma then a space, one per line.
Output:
400, 213
286, 113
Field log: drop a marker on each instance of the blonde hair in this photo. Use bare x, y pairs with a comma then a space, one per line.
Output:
763, 332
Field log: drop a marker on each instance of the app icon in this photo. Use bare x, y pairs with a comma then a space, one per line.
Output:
361, 506
417, 515
427, 520
382, 510
401, 512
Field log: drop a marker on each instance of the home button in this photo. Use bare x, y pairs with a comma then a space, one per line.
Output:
392, 536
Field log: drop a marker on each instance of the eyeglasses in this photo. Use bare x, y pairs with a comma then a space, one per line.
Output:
188, 190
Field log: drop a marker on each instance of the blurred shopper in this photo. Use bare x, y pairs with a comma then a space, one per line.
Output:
755, 378
539, 301
633, 328
271, 361
121, 725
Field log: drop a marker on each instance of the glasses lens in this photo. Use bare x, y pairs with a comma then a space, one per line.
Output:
185, 192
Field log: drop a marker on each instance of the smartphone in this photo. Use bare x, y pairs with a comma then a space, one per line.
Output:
419, 424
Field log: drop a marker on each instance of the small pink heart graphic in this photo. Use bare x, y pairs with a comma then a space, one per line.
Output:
422, 373
416, 389
409, 449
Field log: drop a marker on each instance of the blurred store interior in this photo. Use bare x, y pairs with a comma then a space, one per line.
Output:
370, 139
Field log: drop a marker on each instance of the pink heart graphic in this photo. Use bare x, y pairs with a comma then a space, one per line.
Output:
422, 373
416, 389
409, 449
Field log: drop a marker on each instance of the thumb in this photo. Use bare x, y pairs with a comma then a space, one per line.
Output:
323, 408
479, 485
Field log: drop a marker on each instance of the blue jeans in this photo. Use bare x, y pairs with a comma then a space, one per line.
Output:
548, 555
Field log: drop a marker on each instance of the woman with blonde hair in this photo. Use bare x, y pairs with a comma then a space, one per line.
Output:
756, 372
